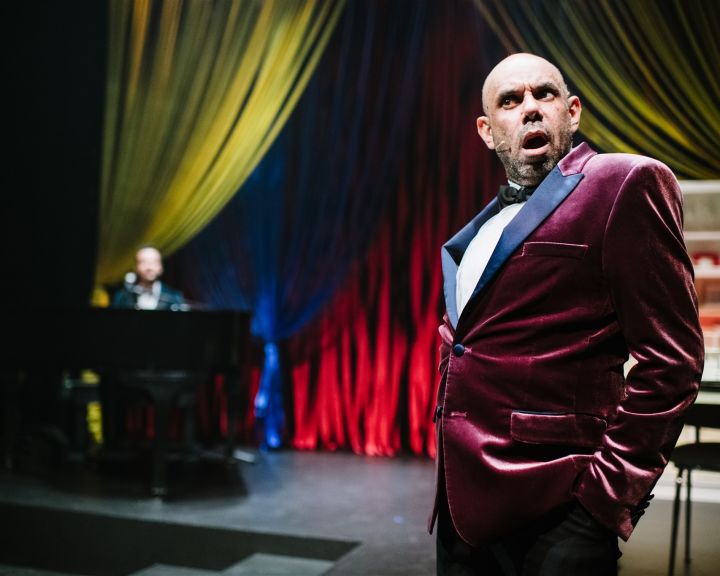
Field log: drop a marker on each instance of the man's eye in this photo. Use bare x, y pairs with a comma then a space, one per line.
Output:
508, 100
544, 94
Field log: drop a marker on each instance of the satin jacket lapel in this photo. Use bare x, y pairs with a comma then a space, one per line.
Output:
548, 196
452, 253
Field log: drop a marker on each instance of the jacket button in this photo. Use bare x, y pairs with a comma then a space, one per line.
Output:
458, 349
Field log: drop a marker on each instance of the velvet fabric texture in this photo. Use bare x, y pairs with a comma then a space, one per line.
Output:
535, 409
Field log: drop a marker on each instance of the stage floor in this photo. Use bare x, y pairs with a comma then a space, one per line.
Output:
293, 513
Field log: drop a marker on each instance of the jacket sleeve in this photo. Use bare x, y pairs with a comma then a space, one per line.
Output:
122, 299
650, 281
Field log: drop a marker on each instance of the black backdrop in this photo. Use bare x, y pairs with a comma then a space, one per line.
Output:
57, 75
55, 78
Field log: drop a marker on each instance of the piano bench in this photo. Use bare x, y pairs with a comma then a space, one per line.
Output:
165, 389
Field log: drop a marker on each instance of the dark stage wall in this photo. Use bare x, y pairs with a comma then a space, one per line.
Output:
57, 82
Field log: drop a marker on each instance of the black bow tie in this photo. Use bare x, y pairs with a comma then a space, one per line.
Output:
511, 195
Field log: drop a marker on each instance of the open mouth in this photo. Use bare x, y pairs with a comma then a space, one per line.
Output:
534, 141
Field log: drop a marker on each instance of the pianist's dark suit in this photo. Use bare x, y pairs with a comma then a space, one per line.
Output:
169, 299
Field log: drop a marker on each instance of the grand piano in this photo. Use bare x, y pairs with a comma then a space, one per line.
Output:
163, 354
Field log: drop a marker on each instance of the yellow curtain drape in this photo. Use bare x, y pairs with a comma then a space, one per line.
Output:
197, 91
647, 71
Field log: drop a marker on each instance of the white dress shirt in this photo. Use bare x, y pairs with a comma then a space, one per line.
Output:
148, 299
479, 251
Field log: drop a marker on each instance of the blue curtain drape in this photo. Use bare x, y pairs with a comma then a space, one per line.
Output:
309, 212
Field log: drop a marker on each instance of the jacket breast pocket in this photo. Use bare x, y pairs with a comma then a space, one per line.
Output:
561, 249
560, 429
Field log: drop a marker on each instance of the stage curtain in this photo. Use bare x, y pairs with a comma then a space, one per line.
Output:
364, 373
196, 93
647, 72
313, 206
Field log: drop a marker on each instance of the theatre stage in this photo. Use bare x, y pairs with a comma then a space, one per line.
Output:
293, 513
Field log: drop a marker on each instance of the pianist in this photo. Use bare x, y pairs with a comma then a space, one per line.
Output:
143, 289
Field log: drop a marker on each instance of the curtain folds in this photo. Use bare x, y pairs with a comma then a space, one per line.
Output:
334, 239
364, 374
646, 71
311, 209
197, 91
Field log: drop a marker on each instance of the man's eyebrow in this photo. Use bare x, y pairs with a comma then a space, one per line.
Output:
508, 91
548, 85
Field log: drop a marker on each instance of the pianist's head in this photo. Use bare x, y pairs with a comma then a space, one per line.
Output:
148, 265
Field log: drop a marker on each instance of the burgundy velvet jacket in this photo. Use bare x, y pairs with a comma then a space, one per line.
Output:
534, 410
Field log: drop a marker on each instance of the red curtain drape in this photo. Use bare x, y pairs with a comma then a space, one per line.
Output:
364, 375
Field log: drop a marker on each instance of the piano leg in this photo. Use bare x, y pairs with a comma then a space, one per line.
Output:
233, 385
163, 398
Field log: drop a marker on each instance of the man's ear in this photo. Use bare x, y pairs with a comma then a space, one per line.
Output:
574, 109
485, 131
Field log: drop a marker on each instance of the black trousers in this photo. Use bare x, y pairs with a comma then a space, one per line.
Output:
566, 542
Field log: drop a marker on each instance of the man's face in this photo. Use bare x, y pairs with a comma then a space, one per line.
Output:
148, 265
530, 119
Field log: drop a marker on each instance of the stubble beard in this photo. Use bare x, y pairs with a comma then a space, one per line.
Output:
528, 173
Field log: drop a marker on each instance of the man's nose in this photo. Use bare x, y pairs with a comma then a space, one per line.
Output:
531, 108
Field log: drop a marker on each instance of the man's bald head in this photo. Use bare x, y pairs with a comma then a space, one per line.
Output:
511, 65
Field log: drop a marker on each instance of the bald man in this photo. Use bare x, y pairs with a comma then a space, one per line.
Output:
547, 451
